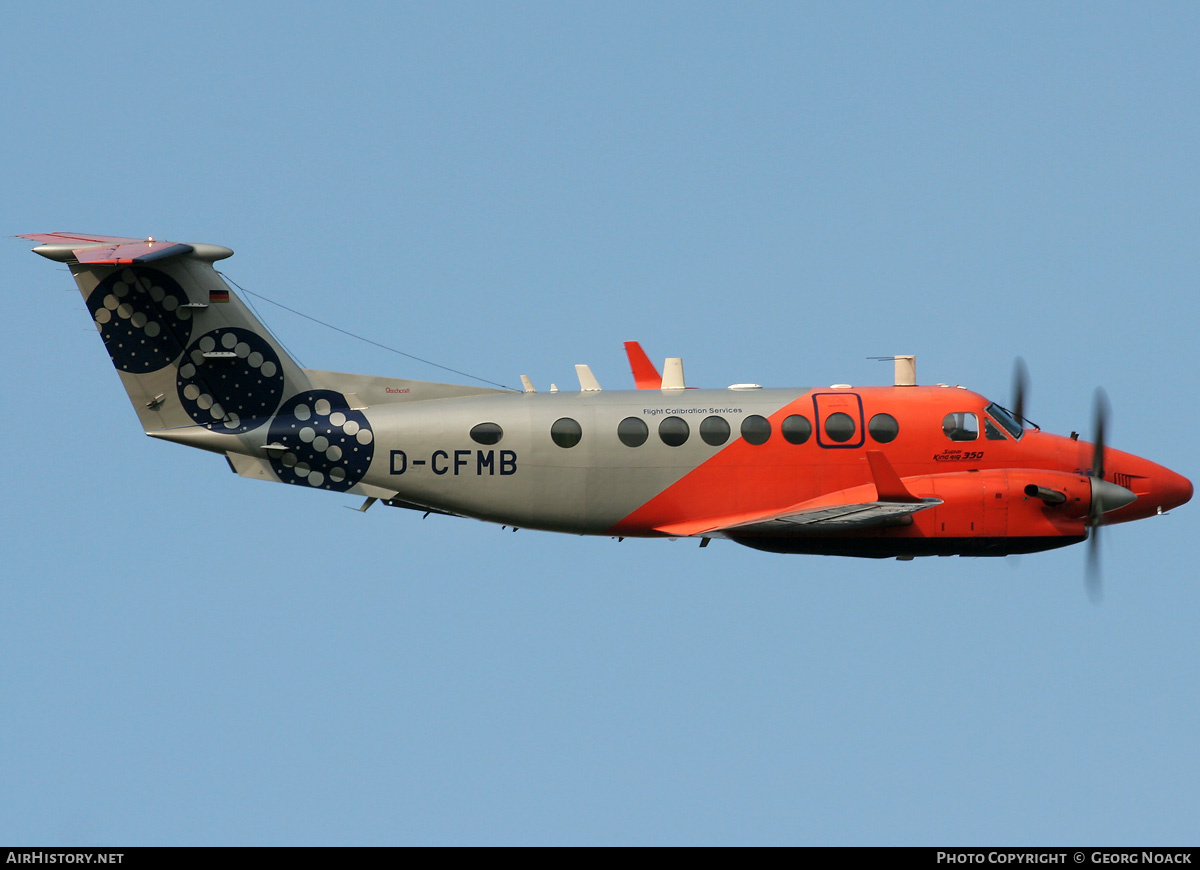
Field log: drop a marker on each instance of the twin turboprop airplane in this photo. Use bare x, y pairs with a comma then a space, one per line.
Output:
897, 471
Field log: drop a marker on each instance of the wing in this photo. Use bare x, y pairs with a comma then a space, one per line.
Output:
816, 520
885, 502
833, 518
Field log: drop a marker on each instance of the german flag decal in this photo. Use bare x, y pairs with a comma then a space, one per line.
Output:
221, 295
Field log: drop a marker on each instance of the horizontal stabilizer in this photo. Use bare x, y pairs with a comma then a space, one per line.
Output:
78, 240
124, 255
110, 251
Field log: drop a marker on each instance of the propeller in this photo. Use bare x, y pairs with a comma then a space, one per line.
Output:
1093, 576
1020, 389
1106, 496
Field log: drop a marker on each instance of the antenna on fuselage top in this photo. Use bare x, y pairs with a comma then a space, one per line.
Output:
672, 378
906, 369
587, 380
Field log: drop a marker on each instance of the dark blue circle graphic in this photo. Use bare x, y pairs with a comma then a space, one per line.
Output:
328, 446
142, 318
230, 380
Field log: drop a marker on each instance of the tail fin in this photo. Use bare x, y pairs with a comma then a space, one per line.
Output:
189, 352
201, 370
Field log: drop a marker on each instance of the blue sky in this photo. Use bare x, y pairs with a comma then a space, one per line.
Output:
774, 192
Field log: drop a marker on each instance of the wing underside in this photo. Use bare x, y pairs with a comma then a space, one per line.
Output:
810, 521
833, 518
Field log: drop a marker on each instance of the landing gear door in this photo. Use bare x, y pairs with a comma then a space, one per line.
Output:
839, 419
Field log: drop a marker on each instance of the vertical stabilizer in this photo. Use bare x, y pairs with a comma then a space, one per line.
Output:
188, 351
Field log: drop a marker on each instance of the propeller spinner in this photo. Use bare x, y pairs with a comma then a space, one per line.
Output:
1020, 388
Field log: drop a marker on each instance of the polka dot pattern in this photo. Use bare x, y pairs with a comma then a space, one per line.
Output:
328, 445
230, 393
141, 317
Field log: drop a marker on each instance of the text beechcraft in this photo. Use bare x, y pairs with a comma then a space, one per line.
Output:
897, 471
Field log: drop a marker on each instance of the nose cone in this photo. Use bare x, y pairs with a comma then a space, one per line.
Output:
1158, 489
1172, 489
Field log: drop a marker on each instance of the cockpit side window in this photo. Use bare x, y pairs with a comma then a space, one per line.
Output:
992, 431
1006, 419
961, 426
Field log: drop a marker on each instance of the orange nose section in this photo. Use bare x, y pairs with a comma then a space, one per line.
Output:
1158, 489
1172, 489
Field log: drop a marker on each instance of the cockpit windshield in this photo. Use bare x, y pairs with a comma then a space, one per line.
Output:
1007, 419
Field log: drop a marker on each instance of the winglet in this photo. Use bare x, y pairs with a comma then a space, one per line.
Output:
645, 375
887, 483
